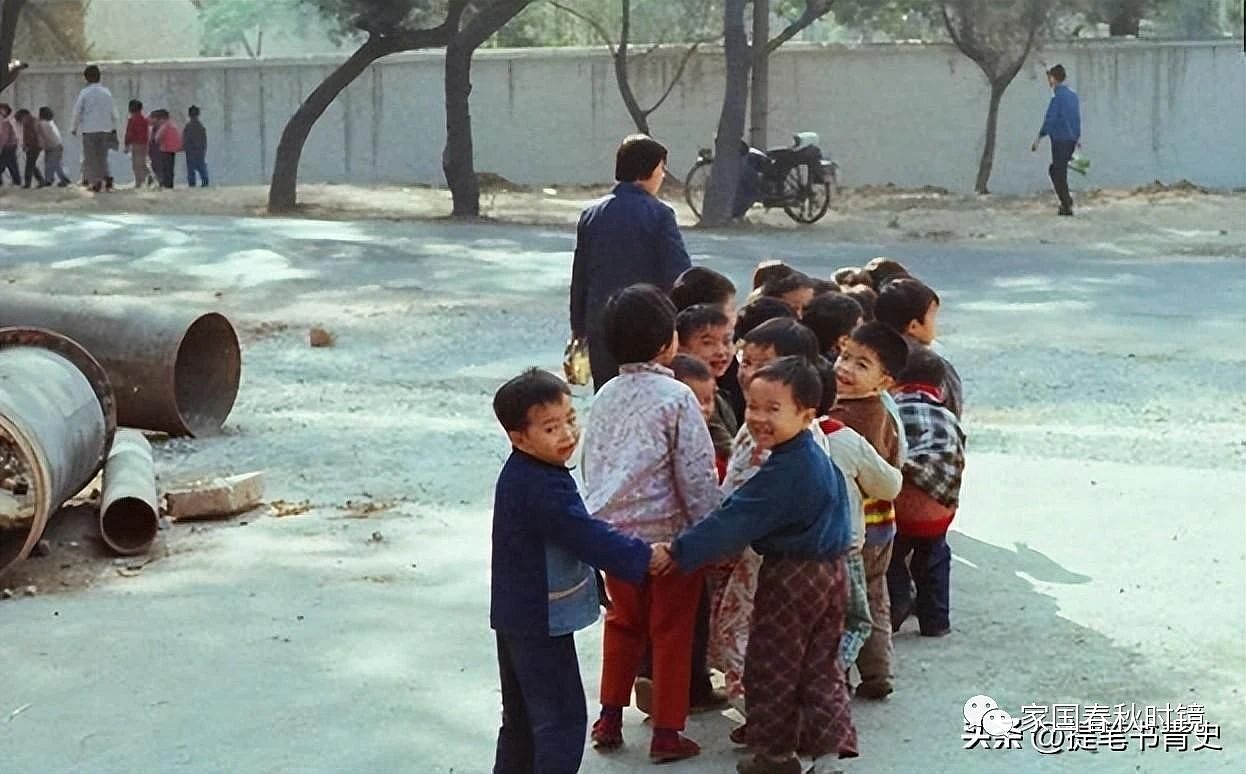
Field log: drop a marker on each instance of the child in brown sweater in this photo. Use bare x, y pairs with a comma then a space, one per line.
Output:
871, 359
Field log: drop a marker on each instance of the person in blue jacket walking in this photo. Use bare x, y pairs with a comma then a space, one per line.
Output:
1063, 124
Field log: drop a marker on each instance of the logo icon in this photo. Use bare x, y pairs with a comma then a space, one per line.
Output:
984, 713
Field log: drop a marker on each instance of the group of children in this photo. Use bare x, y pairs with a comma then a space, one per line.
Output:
155, 139
782, 477
34, 137
152, 141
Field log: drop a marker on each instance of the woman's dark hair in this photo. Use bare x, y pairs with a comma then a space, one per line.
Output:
865, 296
700, 285
831, 316
903, 301
637, 157
890, 347
92, 74
689, 368
924, 366
533, 387
799, 374
639, 322
787, 336
45, 114
769, 271
758, 311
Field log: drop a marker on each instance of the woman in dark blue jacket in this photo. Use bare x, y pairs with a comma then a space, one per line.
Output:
625, 238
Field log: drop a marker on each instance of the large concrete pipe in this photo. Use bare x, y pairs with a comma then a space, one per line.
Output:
56, 421
172, 370
129, 512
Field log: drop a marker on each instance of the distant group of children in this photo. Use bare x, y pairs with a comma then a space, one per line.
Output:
782, 476
152, 142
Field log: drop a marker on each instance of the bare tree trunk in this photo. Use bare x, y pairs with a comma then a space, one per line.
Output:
988, 148
282, 190
10, 10
724, 174
457, 159
759, 115
639, 117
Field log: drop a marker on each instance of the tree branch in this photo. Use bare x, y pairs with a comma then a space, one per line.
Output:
489, 20
596, 26
814, 10
679, 73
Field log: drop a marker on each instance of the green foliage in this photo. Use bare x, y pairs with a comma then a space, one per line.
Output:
235, 26
652, 21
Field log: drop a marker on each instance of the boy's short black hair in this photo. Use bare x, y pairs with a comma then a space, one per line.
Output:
821, 286
830, 387
193, 111
769, 271
799, 374
903, 301
882, 270
758, 311
639, 322
700, 285
788, 337
534, 387
136, 105
45, 113
1058, 73
92, 74
865, 296
831, 316
637, 157
20, 114
696, 318
890, 347
793, 280
924, 366
691, 369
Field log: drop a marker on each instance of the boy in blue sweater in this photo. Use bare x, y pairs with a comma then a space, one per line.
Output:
794, 512
544, 589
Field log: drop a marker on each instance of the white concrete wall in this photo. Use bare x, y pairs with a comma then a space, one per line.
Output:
912, 115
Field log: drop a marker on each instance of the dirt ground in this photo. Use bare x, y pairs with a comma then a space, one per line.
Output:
1155, 218
343, 627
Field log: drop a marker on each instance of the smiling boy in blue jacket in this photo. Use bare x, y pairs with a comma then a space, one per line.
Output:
545, 546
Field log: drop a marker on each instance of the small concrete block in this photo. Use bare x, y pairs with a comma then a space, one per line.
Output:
216, 498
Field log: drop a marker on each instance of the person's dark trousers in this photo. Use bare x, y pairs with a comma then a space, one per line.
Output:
32, 168
167, 163
929, 568
700, 687
600, 362
1061, 154
8, 163
544, 717
196, 166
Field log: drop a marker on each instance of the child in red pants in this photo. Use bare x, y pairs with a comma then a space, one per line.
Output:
649, 472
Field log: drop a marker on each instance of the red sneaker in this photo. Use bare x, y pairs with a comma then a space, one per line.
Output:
607, 734
668, 750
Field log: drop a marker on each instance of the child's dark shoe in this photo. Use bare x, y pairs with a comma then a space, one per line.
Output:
739, 735
760, 764
875, 689
899, 616
671, 747
607, 734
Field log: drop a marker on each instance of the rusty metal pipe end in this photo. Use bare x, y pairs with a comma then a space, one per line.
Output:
129, 510
206, 372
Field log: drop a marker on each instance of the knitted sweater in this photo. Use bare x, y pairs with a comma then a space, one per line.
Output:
865, 472
870, 418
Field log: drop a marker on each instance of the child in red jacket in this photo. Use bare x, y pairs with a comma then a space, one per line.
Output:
166, 141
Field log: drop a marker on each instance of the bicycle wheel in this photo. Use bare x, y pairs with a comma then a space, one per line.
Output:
806, 201
695, 184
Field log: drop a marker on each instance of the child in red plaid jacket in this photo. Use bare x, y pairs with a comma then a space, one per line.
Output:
928, 498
